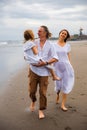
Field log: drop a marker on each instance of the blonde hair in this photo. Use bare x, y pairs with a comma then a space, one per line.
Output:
28, 35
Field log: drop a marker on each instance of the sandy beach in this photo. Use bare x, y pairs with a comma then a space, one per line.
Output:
14, 102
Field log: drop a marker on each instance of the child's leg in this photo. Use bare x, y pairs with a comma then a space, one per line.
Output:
55, 77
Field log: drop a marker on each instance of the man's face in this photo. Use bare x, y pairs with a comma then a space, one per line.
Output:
41, 32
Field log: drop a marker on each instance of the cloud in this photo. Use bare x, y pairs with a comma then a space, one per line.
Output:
22, 14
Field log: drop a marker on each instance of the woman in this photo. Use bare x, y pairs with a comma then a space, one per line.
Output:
63, 68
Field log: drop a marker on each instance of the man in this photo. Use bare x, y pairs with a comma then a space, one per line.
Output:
39, 73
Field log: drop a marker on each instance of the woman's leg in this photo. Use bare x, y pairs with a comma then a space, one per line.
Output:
64, 96
57, 98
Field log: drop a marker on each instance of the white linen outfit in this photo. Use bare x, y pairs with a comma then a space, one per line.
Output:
46, 53
64, 69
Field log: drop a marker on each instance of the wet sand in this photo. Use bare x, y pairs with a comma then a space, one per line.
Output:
14, 102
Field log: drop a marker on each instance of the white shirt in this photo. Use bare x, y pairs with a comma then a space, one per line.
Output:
47, 53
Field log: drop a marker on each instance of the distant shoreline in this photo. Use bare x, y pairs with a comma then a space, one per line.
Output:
74, 37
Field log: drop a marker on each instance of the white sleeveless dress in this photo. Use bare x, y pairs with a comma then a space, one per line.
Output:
64, 69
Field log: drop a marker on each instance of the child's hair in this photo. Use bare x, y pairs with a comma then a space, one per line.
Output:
28, 35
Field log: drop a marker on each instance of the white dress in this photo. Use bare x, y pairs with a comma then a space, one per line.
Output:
30, 57
64, 69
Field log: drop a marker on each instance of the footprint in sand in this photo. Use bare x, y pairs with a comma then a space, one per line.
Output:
72, 109
68, 128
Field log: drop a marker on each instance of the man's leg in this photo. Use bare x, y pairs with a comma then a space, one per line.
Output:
42, 91
33, 81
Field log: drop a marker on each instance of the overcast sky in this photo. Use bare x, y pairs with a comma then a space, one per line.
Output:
19, 15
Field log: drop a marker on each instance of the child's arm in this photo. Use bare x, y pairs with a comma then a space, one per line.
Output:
35, 50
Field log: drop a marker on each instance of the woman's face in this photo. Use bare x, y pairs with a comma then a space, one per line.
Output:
63, 35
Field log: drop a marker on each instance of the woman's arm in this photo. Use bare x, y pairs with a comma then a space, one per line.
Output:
69, 55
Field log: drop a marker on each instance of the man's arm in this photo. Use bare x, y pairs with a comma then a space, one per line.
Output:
42, 63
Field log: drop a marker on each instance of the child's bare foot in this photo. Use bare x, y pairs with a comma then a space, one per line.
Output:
56, 78
32, 106
41, 114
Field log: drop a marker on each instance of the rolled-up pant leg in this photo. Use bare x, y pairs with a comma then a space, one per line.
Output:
42, 91
42, 81
33, 82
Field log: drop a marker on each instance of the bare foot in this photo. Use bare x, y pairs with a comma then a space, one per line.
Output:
56, 78
32, 106
64, 108
41, 114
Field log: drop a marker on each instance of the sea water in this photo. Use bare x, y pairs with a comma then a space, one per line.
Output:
11, 59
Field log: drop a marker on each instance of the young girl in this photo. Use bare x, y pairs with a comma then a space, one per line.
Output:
31, 52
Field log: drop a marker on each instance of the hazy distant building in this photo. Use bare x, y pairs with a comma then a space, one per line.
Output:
80, 32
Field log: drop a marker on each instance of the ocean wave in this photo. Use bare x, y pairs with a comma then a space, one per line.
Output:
11, 43
3, 43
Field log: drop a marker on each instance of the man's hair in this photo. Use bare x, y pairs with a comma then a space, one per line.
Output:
48, 34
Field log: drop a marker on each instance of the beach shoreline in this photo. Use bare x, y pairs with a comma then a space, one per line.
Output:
14, 102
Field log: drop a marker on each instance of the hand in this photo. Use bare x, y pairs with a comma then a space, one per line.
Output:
41, 63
